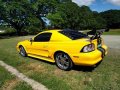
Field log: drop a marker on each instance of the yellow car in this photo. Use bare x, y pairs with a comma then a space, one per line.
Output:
65, 48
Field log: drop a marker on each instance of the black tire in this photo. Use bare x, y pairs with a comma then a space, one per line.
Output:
22, 51
63, 61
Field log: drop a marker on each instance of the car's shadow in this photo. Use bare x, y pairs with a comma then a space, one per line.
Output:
86, 68
75, 67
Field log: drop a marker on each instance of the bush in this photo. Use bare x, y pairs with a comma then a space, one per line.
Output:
8, 31
33, 30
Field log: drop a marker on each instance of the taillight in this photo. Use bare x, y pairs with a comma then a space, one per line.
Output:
88, 48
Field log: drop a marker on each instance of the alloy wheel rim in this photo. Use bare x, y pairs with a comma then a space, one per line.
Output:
22, 51
62, 60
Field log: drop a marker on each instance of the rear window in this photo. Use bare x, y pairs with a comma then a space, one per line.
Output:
73, 34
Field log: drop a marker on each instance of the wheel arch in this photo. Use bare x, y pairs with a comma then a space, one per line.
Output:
22, 46
62, 52
71, 61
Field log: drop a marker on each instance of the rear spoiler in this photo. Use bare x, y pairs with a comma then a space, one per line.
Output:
94, 31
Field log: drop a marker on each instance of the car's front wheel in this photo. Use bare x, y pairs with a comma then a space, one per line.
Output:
63, 61
22, 51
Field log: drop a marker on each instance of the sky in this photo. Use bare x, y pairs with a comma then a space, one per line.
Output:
99, 5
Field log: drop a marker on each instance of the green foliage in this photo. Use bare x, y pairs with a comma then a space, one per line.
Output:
32, 30
100, 22
18, 14
10, 31
112, 18
7, 31
87, 19
56, 20
66, 16
69, 15
14, 13
34, 27
26, 16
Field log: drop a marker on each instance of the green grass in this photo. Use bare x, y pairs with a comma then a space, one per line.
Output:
4, 76
104, 77
22, 86
10, 82
112, 32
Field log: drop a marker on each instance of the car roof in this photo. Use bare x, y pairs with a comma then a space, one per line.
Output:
54, 30
56, 36
63, 34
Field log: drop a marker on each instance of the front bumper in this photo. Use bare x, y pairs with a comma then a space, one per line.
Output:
90, 58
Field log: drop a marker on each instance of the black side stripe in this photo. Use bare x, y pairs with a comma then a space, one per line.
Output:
102, 50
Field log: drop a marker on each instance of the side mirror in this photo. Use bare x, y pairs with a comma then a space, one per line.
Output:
31, 39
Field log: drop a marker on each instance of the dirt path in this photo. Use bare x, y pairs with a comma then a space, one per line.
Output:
112, 41
35, 85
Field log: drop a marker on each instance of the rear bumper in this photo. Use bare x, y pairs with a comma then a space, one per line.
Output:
105, 47
90, 58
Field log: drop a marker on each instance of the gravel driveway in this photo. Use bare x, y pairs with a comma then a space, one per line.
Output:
112, 41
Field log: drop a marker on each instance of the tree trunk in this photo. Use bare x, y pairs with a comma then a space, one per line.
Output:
18, 27
18, 32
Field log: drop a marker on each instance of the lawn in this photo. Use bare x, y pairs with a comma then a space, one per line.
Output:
113, 32
104, 77
10, 82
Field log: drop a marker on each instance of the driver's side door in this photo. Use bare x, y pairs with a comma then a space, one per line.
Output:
40, 45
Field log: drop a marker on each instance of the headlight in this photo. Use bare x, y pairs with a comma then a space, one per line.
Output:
88, 48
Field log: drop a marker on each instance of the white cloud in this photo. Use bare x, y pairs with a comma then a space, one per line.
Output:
115, 2
83, 2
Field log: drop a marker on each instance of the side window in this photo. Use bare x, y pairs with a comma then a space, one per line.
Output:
44, 37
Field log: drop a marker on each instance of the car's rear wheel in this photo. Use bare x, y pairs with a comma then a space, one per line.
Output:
63, 61
22, 51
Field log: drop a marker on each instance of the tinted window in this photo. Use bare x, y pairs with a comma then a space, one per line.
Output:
43, 37
73, 34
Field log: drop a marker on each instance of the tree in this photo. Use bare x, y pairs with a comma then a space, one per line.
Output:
70, 15
100, 22
17, 14
48, 8
87, 20
56, 20
27, 15
112, 18
21, 15
41, 8
66, 16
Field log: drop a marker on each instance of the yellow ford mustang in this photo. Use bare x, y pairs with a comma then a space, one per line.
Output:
65, 47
